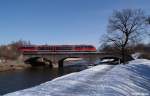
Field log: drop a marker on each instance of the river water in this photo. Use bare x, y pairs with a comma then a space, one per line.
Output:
11, 81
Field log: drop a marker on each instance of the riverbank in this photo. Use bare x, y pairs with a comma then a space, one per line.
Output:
8, 66
18, 65
103, 80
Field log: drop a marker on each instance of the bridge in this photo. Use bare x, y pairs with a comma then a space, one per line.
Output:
56, 59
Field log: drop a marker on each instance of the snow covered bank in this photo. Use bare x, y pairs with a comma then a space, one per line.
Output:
104, 80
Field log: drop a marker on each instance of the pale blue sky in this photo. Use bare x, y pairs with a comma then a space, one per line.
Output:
59, 21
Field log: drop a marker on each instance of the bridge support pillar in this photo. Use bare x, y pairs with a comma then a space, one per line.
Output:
60, 64
55, 65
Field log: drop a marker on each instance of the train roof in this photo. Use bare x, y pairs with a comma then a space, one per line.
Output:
53, 45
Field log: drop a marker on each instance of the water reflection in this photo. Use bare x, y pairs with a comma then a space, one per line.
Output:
11, 81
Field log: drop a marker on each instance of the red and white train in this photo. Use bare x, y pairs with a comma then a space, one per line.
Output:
58, 48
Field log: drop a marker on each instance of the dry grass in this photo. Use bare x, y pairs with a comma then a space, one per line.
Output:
7, 66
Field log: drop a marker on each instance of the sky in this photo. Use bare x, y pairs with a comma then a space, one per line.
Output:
60, 21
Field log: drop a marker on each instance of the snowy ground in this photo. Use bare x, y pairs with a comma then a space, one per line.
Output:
103, 80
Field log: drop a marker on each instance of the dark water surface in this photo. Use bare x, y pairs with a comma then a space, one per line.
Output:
11, 81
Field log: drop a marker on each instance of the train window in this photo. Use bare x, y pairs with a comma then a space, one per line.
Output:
77, 47
67, 48
62, 48
90, 46
29, 47
49, 48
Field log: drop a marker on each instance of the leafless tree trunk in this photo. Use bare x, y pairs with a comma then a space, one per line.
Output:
148, 23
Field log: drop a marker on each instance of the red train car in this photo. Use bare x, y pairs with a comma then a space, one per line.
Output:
58, 48
27, 48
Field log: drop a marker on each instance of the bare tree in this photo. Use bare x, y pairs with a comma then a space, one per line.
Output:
148, 23
148, 20
124, 28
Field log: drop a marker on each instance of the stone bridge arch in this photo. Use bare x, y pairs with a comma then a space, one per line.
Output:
61, 61
38, 61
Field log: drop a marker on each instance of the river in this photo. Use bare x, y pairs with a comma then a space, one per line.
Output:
11, 81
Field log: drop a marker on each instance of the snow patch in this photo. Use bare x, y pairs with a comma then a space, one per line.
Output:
136, 55
131, 79
140, 61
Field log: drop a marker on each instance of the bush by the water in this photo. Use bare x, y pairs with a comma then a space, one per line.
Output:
10, 51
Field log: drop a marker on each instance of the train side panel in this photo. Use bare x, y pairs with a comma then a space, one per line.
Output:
59, 48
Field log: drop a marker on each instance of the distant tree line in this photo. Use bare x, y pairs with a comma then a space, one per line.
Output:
143, 49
